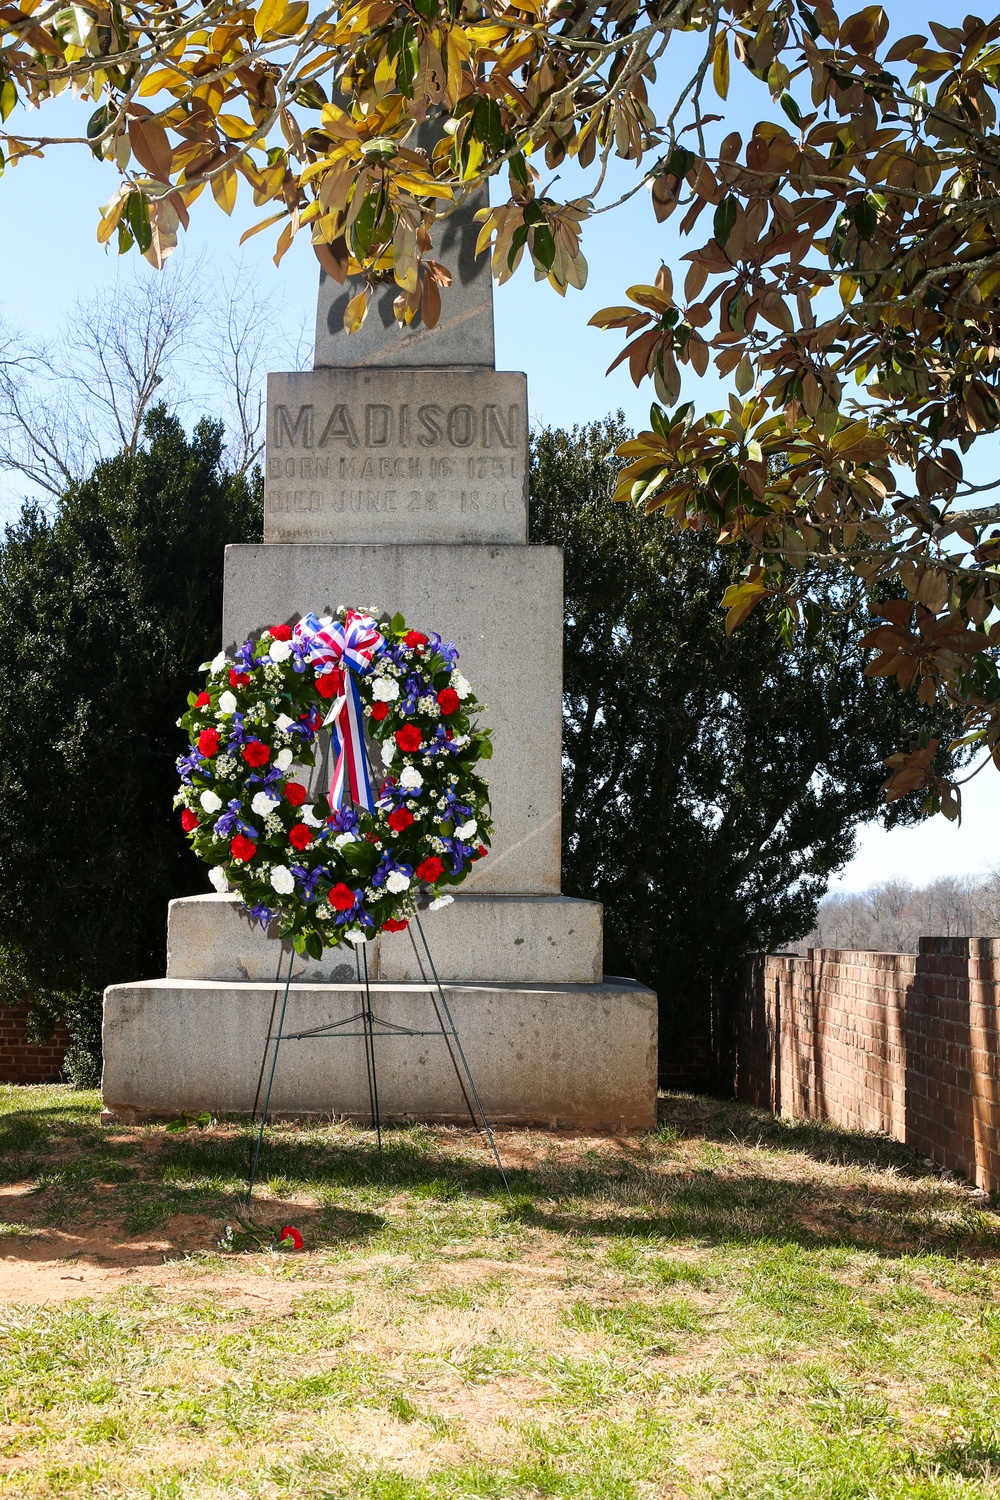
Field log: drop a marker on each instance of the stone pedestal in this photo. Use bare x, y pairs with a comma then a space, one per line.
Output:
400, 488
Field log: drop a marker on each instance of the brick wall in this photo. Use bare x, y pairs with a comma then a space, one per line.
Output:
22, 1061
904, 1043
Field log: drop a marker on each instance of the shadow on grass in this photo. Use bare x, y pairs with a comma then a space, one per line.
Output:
725, 1121
665, 1187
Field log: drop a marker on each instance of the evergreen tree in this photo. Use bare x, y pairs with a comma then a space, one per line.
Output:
107, 608
712, 784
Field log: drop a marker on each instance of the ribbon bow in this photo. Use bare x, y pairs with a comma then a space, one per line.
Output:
344, 649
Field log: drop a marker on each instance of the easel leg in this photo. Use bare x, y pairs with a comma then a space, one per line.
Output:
270, 1081
461, 1053
369, 1025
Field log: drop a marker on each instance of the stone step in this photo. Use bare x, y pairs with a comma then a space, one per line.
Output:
538, 939
579, 1057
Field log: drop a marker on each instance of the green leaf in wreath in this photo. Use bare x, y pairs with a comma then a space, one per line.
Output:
314, 945
397, 624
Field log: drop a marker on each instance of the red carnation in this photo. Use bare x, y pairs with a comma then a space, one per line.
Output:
413, 639
341, 896
300, 837
281, 632
256, 753
448, 700
242, 848
430, 870
400, 819
393, 926
208, 742
409, 738
188, 820
202, 700
483, 851
295, 793
289, 1232
327, 686
238, 679
379, 711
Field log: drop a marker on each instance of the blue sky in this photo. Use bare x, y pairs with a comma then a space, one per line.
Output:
50, 260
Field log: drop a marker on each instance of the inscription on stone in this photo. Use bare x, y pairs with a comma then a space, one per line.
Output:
396, 456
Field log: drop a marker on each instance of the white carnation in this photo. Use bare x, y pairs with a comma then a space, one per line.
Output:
411, 777
284, 723
461, 685
218, 662
210, 801
217, 876
388, 752
227, 703
262, 804
385, 690
397, 881
308, 816
440, 901
467, 830
344, 838
283, 880
355, 935
283, 759
279, 650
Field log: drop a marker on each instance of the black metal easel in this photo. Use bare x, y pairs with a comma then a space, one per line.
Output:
371, 1026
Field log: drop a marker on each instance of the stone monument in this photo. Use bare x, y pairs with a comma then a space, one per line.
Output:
396, 479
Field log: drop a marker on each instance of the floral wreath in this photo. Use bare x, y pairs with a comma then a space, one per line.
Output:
326, 871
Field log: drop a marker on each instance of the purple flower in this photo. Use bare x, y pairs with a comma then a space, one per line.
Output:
446, 650
309, 879
269, 779
355, 913
413, 688
343, 820
386, 868
230, 822
393, 795
239, 734
187, 765
440, 745
460, 853
453, 808
262, 914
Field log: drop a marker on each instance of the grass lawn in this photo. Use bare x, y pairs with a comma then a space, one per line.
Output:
732, 1306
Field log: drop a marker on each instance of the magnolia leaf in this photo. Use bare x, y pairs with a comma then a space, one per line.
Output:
224, 190
354, 313
720, 65
269, 14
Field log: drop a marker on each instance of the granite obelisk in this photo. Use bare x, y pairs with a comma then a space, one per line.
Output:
396, 479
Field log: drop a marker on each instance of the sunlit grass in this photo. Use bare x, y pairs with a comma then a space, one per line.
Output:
729, 1306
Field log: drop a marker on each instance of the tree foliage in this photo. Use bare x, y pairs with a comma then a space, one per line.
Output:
105, 609
845, 269
712, 782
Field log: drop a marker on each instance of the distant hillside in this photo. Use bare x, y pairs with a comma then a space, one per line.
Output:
892, 917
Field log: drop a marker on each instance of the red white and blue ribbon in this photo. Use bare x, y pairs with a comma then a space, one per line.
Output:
344, 648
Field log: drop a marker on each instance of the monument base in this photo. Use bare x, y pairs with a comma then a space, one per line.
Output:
560, 1056
536, 939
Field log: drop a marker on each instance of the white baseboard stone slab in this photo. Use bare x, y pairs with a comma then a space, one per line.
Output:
502, 606
388, 455
574, 1057
527, 939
